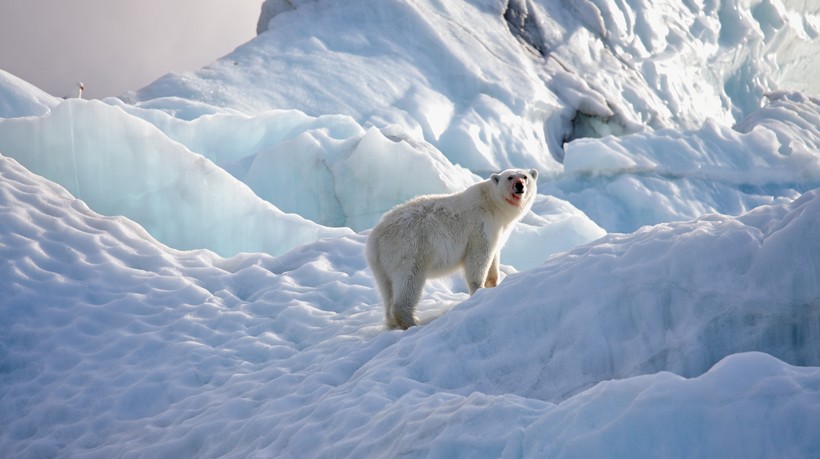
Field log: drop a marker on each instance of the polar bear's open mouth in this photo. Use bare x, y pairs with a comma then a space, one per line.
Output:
515, 199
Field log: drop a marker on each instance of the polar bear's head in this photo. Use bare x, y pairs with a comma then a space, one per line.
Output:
515, 187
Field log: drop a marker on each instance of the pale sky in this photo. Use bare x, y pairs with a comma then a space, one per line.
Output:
116, 45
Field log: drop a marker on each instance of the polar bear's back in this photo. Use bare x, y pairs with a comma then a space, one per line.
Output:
431, 230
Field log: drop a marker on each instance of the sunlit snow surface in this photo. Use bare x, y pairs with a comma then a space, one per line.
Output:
182, 271
113, 344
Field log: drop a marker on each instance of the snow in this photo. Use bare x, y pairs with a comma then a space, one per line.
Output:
20, 98
183, 271
668, 65
114, 344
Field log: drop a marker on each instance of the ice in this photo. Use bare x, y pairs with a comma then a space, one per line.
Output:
551, 74
121, 165
295, 178
415, 64
329, 169
183, 273
626, 182
20, 98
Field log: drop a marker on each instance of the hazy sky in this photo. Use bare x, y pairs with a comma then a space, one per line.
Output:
116, 45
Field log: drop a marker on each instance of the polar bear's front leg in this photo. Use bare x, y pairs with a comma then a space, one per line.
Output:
492, 274
477, 264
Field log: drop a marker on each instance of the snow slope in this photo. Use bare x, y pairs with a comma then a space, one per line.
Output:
182, 269
115, 345
445, 70
20, 98
525, 78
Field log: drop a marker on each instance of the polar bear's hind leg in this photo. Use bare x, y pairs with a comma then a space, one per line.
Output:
408, 287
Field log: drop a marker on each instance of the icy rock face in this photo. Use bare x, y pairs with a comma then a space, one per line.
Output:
655, 300
121, 165
20, 98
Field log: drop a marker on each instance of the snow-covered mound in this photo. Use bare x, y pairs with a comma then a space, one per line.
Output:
21, 98
657, 299
626, 182
114, 345
495, 83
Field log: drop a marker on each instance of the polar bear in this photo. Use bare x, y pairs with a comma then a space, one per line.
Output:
430, 236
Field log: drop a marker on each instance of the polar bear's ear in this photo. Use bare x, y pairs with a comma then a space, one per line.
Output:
495, 178
534, 174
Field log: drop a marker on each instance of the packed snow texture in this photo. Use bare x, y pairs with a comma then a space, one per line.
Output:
183, 273
114, 345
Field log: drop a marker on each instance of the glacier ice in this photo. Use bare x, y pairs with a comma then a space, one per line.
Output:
236, 183
121, 165
626, 182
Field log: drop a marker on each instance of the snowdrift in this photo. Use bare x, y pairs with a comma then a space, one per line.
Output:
654, 300
113, 344
20, 98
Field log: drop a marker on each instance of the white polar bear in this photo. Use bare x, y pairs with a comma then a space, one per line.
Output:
430, 236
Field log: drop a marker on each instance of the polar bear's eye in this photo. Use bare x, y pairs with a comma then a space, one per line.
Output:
509, 178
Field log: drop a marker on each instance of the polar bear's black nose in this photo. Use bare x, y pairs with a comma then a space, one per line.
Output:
518, 187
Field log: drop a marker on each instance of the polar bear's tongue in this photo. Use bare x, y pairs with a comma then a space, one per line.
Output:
514, 199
